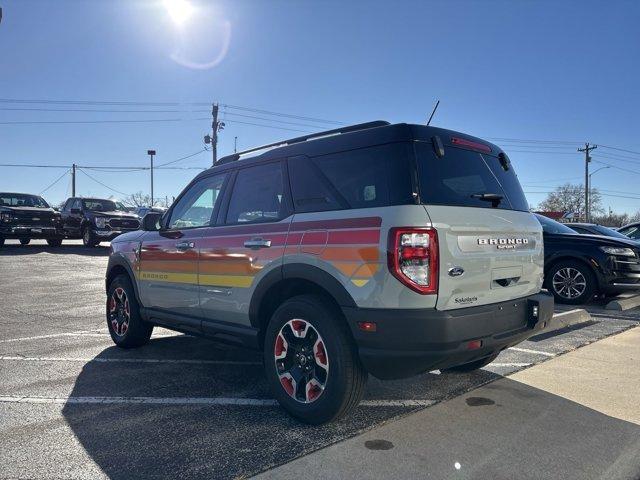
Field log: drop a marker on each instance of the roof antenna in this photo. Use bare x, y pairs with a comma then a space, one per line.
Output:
433, 113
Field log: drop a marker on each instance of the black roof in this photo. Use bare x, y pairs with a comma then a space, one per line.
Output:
346, 138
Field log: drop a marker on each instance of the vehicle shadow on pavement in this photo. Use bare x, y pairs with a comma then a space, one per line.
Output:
131, 439
13, 249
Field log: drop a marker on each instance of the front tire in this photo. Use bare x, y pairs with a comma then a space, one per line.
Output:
25, 241
54, 242
311, 362
571, 282
88, 239
124, 321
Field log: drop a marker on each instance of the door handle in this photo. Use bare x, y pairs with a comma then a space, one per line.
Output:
256, 243
185, 245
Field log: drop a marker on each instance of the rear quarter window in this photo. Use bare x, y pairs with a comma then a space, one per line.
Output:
367, 177
460, 175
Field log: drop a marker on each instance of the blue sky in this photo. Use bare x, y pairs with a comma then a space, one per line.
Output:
553, 71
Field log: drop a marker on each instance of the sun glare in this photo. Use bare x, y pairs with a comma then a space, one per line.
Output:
179, 10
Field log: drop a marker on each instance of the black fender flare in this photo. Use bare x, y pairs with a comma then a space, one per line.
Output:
300, 271
117, 260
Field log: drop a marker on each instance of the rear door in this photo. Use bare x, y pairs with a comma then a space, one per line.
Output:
246, 245
490, 245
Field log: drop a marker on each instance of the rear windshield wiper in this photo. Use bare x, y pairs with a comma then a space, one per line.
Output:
494, 198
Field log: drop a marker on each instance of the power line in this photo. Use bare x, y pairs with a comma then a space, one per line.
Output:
618, 168
54, 182
520, 140
104, 185
182, 158
620, 149
268, 126
268, 112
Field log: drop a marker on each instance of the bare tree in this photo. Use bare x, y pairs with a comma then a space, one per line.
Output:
138, 199
611, 219
570, 198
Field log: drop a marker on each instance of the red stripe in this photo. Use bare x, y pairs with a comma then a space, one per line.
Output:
354, 237
238, 241
364, 222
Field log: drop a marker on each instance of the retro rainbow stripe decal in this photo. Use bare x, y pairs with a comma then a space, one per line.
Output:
221, 259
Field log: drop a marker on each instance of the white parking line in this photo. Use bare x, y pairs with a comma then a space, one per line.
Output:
537, 352
125, 360
221, 401
94, 333
509, 364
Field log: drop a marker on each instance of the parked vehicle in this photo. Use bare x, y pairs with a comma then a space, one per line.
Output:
577, 267
632, 231
96, 220
142, 211
376, 248
25, 217
594, 229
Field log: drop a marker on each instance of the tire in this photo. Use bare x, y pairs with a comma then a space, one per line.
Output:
125, 324
88, 239
471, 366
330, 391
1, 242
25, 241
580, 292
54, 242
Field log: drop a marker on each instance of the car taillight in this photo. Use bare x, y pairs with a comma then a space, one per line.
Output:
413, 258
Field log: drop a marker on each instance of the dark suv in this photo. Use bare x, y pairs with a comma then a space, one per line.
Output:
25, 217
96, 220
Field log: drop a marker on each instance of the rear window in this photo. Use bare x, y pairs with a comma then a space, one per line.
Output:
368, 177
461, 177
551, 226
21, 200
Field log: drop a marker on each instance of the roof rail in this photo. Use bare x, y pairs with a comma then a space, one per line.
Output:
351, 128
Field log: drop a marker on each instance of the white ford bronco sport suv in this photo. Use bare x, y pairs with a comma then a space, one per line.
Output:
375, 248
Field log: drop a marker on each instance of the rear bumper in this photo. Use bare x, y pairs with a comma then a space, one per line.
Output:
408, 341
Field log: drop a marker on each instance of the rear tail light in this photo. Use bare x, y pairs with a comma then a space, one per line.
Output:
413, 258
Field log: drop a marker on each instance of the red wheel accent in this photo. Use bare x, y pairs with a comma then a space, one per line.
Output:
321, 354
288, 383
112, 305
118, 311
280, 350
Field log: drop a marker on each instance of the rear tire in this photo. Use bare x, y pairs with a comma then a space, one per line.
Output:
88, 238
54, 242
335, 383
124, 321
472, 366
25, 241
579, 292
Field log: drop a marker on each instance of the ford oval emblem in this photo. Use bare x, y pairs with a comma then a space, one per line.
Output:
456, 271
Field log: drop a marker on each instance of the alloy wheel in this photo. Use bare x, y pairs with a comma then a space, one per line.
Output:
569, 283
301, 361
119, 312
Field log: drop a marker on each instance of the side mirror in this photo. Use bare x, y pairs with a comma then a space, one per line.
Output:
76, 211
151, 222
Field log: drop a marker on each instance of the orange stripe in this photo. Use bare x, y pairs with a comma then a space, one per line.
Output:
367, 254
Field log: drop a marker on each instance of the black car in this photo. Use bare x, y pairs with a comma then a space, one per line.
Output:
594, 229
96, 220
577, 267
632, 230
25, 217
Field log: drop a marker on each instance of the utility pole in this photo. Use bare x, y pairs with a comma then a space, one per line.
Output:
587, 159
235, 144
212, 139
151, 153
73, 180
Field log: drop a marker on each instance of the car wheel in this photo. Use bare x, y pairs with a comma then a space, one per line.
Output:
1, 242
471, 366
125, 324
54, 242
87, 238
571, 282
311, 362
25, 241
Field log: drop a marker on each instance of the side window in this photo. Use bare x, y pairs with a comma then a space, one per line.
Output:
367, 177
67, 205
77, 204
580, 230
196, 207
258, 195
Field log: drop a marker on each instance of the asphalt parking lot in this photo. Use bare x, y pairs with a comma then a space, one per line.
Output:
74, 406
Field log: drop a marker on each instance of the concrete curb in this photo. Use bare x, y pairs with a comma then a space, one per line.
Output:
623, 303
567, 319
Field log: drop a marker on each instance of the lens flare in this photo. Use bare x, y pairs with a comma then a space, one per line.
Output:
179, 10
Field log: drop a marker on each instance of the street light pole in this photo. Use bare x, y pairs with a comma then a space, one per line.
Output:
151, 153
589, 185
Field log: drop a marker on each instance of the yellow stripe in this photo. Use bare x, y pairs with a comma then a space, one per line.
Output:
243, 281
360, 282
171, 277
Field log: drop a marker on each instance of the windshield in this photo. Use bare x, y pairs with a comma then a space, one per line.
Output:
608, 232
21, 200
468, 179
99, 205
551, 226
